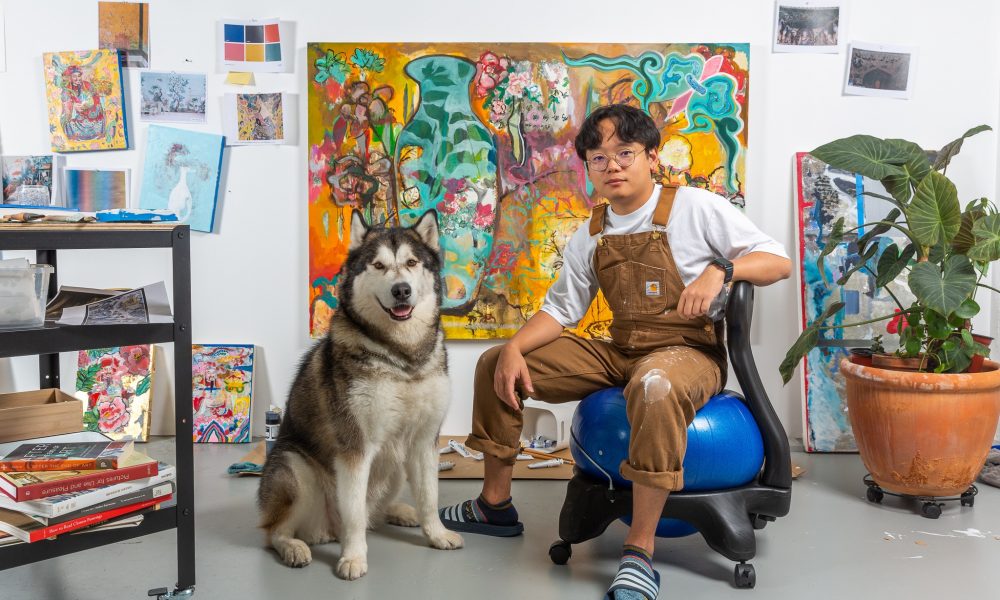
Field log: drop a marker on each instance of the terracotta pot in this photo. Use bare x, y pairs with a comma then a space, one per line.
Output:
861, 356
977, 360
923, 434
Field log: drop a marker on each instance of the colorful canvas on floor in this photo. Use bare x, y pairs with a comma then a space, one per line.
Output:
85, 100
124, 26
253, 45
92, 189
181, 174
116, 386
483, 133
823, 196
222, 380
172, 97
27, 180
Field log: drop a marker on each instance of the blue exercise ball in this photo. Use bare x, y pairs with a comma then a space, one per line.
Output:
724, 449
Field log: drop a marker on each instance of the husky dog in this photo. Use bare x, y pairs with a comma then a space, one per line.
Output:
366, 407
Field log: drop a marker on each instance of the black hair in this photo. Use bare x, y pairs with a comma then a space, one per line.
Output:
631, 125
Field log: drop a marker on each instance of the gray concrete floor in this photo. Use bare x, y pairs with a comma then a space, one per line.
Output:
833, 544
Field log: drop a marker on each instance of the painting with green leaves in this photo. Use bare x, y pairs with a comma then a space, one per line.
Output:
116, 386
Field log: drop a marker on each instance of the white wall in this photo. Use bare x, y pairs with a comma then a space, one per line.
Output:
250, 277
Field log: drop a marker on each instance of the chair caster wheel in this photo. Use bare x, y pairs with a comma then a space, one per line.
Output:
875, 494
744, 576
560, 552
968, 498
931, 510
758, 521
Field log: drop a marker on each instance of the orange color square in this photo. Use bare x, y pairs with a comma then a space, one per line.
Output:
271, 33
255, 53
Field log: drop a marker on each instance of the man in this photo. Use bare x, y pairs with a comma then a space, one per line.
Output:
662, 256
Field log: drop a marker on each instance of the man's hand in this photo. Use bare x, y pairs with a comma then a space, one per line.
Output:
511, 368
697, 298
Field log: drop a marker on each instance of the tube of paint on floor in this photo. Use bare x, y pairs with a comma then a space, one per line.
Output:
555, 462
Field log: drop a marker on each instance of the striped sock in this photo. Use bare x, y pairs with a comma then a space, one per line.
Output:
636, 579
481, 511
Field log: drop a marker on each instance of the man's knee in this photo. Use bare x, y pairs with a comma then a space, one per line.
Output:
487, 364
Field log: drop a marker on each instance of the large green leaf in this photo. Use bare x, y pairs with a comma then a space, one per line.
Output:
934, 214
870, 156
964, 239
916, 167
891, 263
943, 290
880, 227
951, 148
806, 342
986, 232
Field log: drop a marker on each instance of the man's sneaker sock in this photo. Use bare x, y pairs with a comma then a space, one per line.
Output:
479, 516
636, 579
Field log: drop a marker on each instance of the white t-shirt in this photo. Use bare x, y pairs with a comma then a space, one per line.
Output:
702, 226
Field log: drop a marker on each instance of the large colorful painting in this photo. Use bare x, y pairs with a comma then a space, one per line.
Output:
181, 174
115, 386
825, 195
483, 133
222, 384
85, 99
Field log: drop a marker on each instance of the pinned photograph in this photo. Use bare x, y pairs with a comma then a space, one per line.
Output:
172, 97
880, 70
124, 26
27, 181
809, 26
251, 119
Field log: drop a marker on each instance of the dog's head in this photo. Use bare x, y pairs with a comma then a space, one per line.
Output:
393, 274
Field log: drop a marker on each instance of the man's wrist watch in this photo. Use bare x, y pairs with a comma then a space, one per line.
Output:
726, 266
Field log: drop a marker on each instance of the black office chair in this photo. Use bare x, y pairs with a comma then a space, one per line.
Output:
725, 518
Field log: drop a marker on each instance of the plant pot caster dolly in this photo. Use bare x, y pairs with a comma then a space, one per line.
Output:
164, 594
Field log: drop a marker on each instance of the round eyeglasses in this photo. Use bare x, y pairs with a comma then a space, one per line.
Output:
600, 162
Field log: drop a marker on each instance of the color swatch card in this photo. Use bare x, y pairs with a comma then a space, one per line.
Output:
181, 174
27, 180
86, 101
172, 97
91, 190
253, 45
250, 119
222, 392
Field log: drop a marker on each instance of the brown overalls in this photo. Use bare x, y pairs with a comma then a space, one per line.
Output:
669, 366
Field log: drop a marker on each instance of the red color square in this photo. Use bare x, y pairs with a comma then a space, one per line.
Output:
271, 33
234, 51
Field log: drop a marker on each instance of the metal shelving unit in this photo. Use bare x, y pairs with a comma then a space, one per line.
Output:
46, 239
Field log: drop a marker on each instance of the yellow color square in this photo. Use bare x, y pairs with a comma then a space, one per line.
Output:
255, 53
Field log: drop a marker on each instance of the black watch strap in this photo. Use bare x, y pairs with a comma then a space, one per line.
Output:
726, 266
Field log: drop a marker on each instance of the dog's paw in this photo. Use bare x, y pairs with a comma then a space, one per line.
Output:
445, 540
295, 553
403, 515
352, 568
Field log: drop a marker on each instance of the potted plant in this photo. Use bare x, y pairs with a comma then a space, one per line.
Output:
924, 431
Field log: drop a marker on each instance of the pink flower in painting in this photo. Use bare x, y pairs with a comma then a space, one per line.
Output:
93, 398
484, 215
498, 110
517, 83
534, 117
490, 70
82, 361
112, 415
503, 260
448, 205
136, 359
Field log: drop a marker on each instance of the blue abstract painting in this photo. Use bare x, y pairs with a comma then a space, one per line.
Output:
181, 174
825, 195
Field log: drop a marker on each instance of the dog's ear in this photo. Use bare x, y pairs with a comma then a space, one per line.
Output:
427, 229
358, 230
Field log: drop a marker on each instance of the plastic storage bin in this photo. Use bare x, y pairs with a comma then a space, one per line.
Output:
23, 293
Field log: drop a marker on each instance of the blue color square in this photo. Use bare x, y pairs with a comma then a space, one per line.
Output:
233, 33
272, 52
255, 34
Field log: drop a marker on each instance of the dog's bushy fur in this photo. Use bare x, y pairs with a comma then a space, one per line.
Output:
365, 407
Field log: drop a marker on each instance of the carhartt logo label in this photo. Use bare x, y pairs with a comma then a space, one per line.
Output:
652, 288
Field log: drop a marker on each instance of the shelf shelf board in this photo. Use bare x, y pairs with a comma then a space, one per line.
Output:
66, 338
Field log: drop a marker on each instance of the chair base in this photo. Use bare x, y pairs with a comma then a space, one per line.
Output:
725, 518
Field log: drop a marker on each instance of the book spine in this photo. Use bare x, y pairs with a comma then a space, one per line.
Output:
149, 493
64, 464
55, 506
92, 519
86, 482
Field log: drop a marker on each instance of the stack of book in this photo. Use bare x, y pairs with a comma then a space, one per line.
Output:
66, 483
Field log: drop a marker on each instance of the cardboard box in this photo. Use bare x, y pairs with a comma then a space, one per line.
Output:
38, 413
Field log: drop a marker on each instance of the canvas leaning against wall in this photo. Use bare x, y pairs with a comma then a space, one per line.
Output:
181, 174
85, 101
115, 386
222, 386
483, 133
824, 195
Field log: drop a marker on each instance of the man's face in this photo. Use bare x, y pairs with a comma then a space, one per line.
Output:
616, 182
